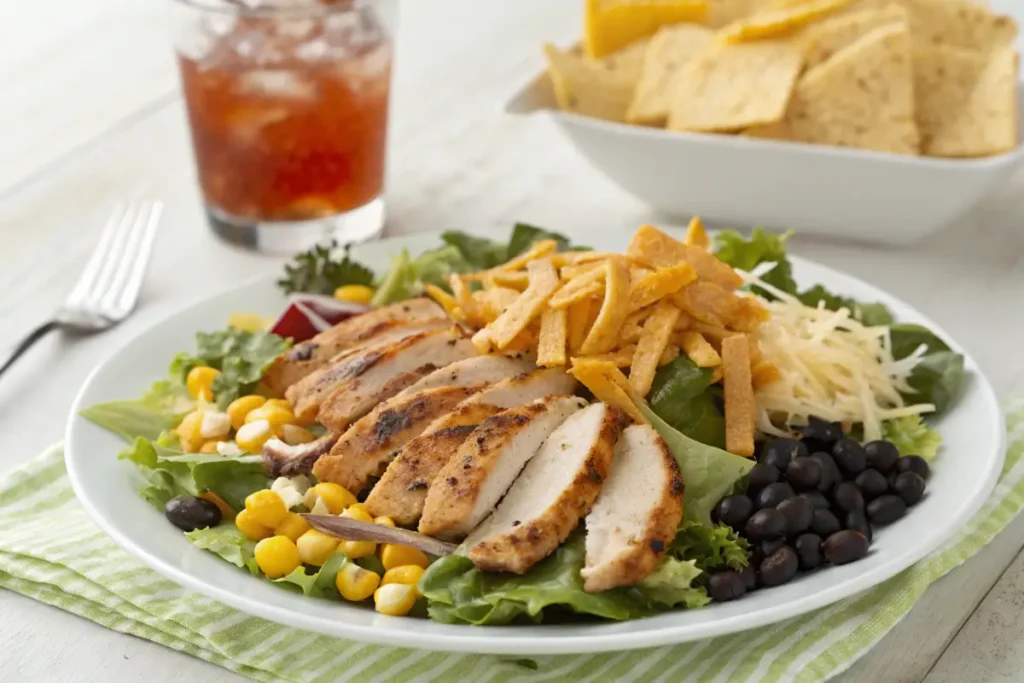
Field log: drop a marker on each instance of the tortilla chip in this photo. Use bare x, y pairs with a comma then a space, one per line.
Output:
669, 50
775, 22
959, 23
553, 338
663, 250
659, 284
863, 97
724, 12
603, 334
543, 283
599, 88
696, 235
738, 389
610, 25
830, 36
728, 87
599, 378
653, 341
697, 348
966, 100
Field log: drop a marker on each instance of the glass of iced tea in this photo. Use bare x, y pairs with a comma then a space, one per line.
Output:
288, 107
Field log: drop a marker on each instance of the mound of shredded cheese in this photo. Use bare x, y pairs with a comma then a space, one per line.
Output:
831, 367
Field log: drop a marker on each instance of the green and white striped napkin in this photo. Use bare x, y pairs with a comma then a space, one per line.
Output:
50, 551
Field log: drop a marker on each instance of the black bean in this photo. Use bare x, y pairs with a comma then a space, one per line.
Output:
914, 463
808, 551
849, 455
766, 524
821, 433
781, 452
189, 513
886, 509
749, 576
798, 513
773, 494
733, 511
858, 521
817, 499
909, 486
845, 546
779, 567
762, 474
804, 473
830, 474
769, 547
848, 497
882, 455
824, 523
871, 483
726, 586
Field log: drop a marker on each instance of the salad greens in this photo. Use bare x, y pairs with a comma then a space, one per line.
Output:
671, 584
682, 395
710, 547
912, 436
317, 271
241, 356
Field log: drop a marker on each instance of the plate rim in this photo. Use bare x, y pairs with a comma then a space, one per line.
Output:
490, 640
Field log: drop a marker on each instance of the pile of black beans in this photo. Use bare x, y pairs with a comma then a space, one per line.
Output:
813, 501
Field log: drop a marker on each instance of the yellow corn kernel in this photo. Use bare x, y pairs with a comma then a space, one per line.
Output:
210, 446
242, 406
276, 416
249, 322
393, 555
336, 497
357, 511
395, 599
226, 511
253, 530
188, 432
384, 521
266, 507
277, 556
408, 574
356, 549
293, 435
315, 547
252, 435
357, 294
293, 526
355, 583
280, 403
199, 382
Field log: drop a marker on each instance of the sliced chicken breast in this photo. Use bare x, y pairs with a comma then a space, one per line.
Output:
636, 514
554, 491
475, 371
365, 449
402, 491
472, 482
306, 357
282, 460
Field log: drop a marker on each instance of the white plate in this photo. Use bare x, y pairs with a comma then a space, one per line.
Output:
964, 475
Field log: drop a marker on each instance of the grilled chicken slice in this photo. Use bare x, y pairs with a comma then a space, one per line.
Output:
305, 357
475, 371
636, 514
365, 449
402, 490
554, 491
473, 481
282, 460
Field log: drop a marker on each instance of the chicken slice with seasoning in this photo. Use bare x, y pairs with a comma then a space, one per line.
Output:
475, 371
401, 492
554, 491
636, 514
473, 481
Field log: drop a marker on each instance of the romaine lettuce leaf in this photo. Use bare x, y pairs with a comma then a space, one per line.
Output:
762, 247
872, 314
682, 397
228, 543
912, 436
525, 235
480, 252
407, 276
459, 593
671, 584
710, 547
159, 409
937, 377
241, 356
319, 584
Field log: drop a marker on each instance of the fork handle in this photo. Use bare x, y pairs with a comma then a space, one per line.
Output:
28, 342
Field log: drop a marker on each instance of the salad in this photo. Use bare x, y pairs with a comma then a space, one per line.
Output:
510, 432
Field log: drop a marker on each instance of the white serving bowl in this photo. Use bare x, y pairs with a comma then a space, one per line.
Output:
813, 189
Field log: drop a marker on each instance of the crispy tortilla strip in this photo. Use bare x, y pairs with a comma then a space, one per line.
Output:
603, 335
543, 283
446, 300
670, 353
699, 350
564, 299
749, 313
662, 250
653, 341
580, 318
575, 270
655, 286
598, 377
539, 250
716, 374
527, 340
621, 358
553, 338
828, 37
633, 325
739, 396
708, 302
483, 342
512, 279
669, 50
764, 373
696, 235
779, 21
465, 301
568, 293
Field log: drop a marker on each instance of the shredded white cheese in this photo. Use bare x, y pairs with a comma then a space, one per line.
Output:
831, 367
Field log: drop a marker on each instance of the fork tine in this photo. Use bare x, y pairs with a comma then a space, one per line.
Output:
111, 263
97, 259
132, 284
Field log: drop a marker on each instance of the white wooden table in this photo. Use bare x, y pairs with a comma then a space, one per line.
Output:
91, 115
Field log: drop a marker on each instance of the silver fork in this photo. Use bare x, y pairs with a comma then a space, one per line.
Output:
108, 289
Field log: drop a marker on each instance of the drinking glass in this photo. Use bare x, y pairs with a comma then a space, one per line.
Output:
288, 107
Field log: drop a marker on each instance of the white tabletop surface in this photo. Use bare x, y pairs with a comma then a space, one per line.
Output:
90, 115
